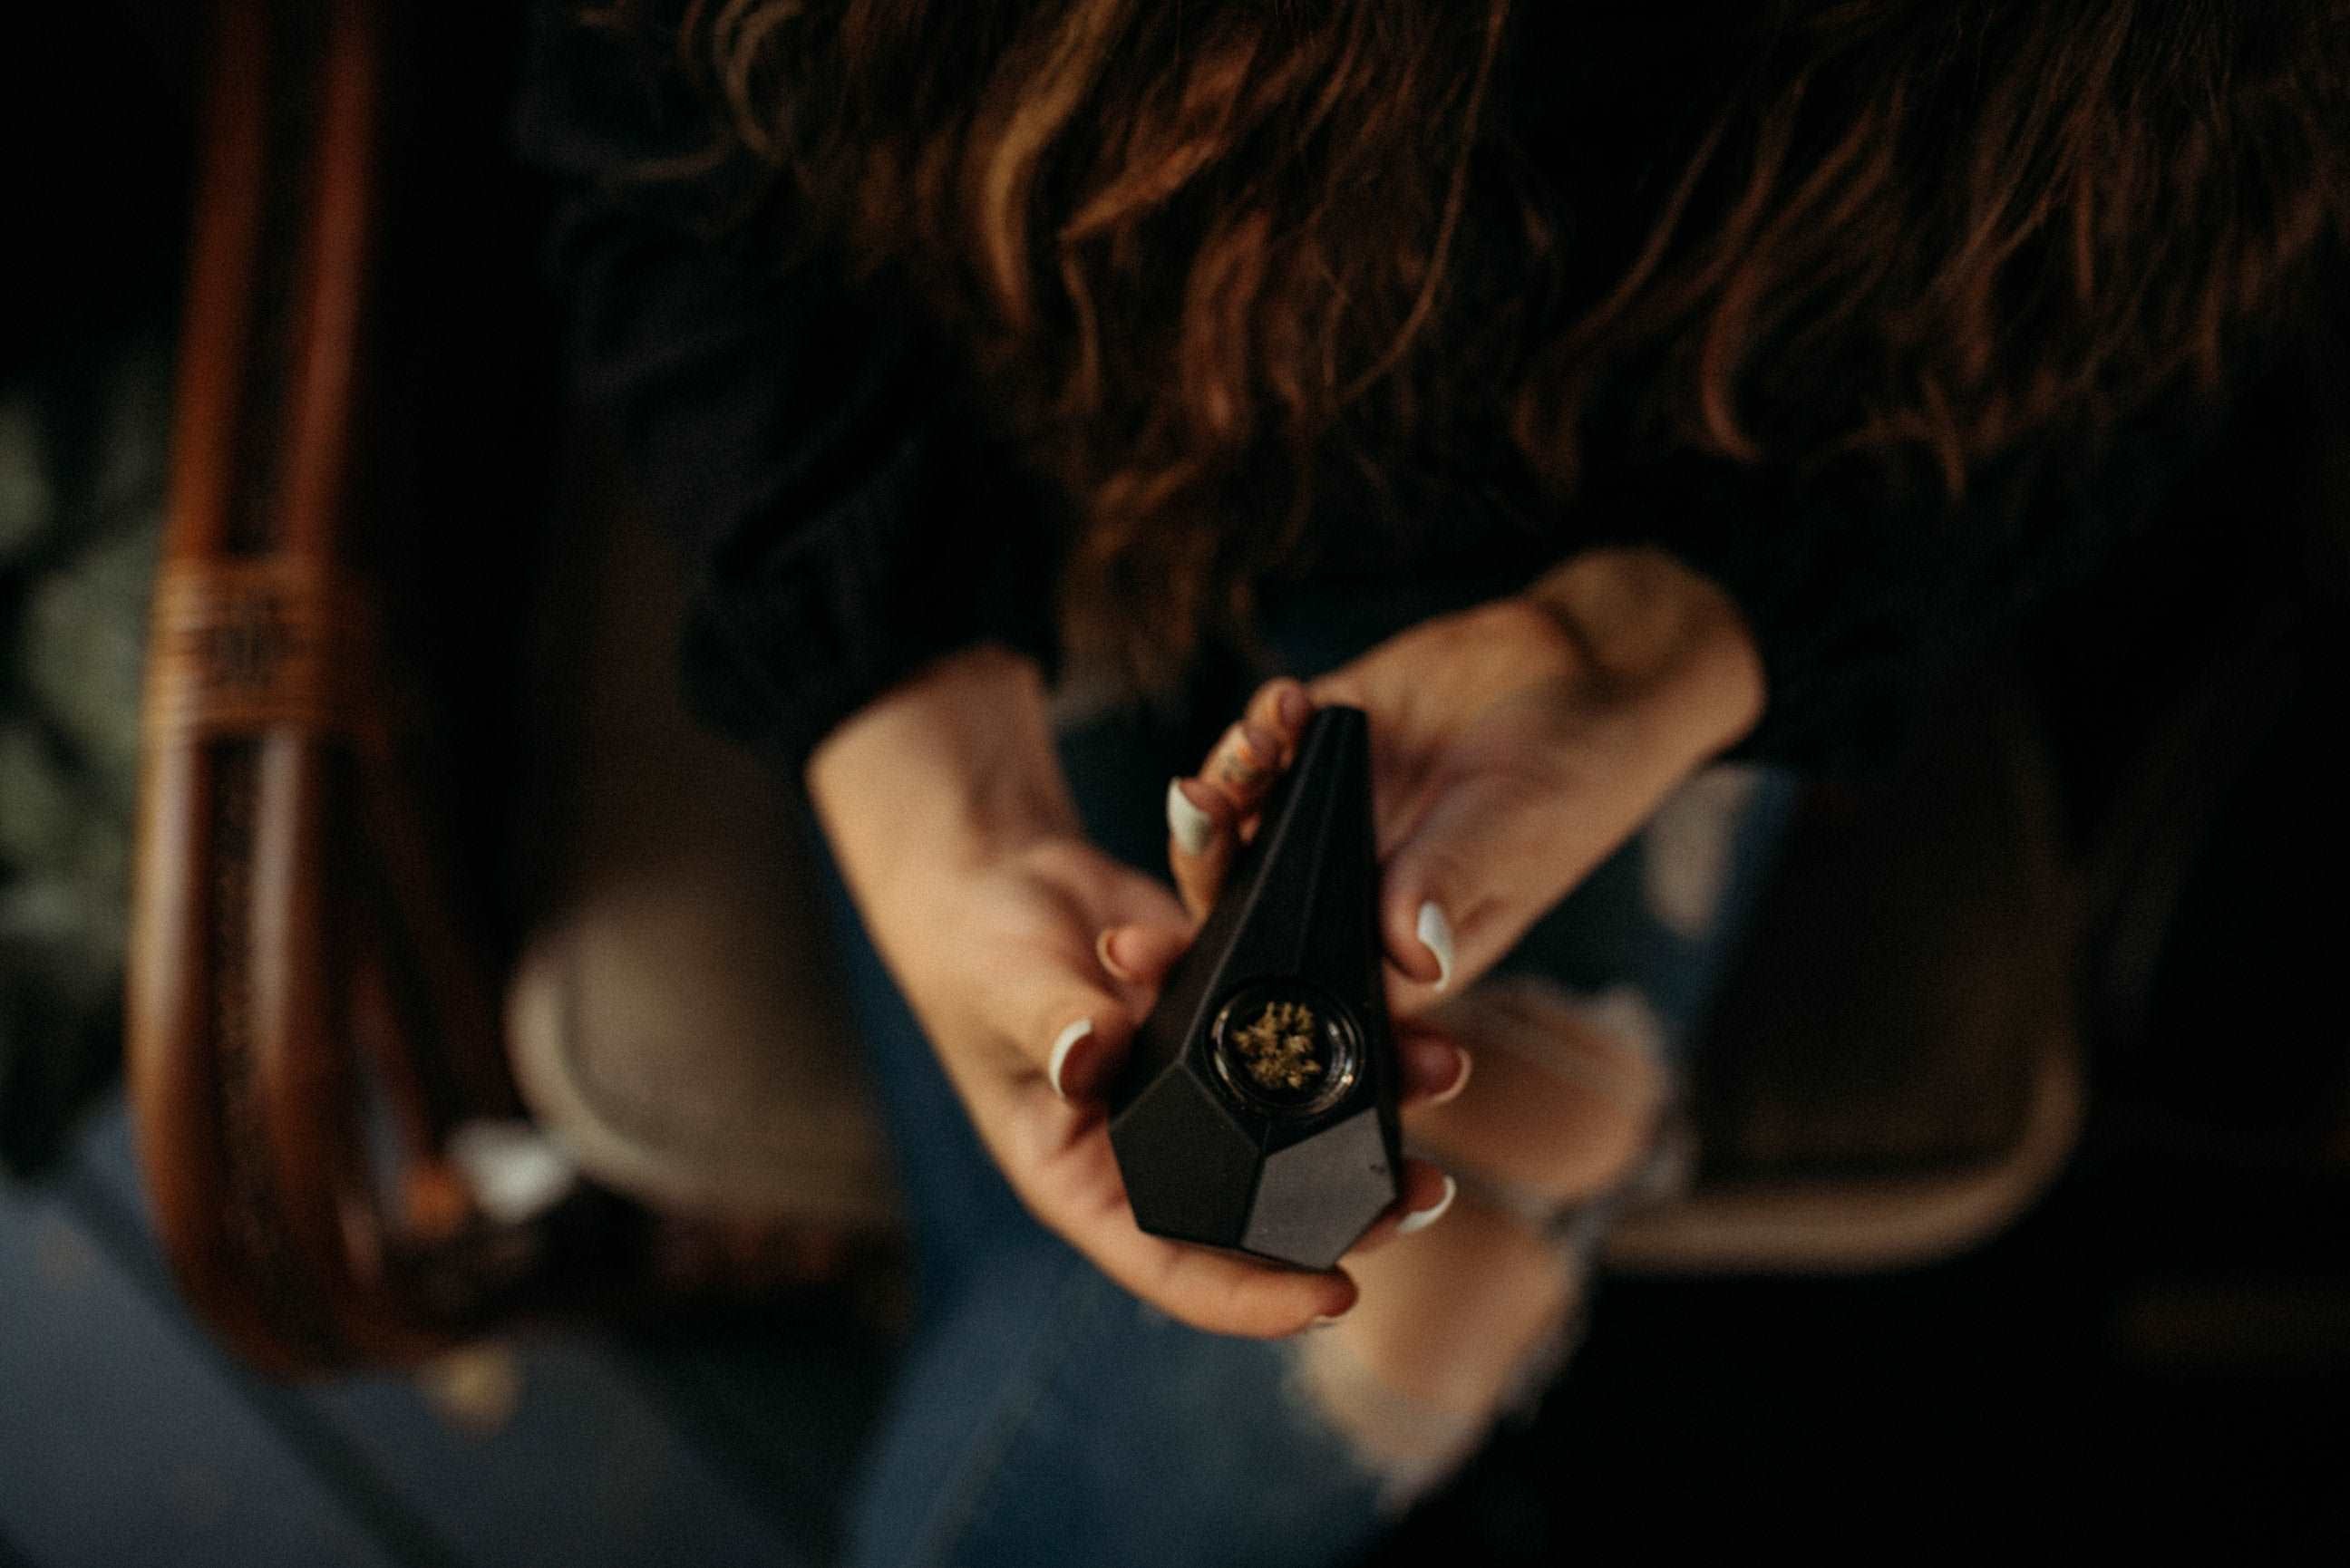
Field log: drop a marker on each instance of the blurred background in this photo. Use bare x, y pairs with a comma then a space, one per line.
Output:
2163, 1335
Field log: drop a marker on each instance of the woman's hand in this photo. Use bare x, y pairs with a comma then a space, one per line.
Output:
946, 812
1513, 747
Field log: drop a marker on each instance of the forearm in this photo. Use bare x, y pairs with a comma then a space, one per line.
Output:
942, 772
1662, 638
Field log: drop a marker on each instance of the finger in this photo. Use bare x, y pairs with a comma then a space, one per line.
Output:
1078, 1063
1482, 864
1081, 1196
1139, 956
1202, 836
1245, 763
1067, 1020
1568, 1091
1434, 1068
1070, 1033
1422, 948
1280, 708
1427, 1196
1224, 1295
1210, 815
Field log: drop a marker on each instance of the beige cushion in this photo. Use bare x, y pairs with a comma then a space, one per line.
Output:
673, 1019
1893, 1072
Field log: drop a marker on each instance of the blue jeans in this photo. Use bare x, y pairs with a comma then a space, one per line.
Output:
1046, 1417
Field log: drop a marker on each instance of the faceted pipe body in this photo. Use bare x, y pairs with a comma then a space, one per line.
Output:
1257, 1109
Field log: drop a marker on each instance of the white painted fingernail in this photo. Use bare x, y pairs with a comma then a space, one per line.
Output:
1421, 1219
1062, 1045
1191, 826
1435, 934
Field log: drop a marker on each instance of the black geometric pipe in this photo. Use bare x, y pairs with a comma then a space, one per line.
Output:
1257, 1109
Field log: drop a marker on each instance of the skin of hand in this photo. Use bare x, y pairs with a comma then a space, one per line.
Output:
947, 812
1513, 746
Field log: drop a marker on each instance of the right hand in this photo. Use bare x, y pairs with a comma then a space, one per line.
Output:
1515, 745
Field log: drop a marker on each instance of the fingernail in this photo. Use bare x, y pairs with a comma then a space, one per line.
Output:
1191, 826
1263, 750
1295, 708
1435, 934
1451, 1091
1062, 1045
1328, 1320
1421, 1219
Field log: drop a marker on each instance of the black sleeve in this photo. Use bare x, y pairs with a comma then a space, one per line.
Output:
807, 442
1866, 591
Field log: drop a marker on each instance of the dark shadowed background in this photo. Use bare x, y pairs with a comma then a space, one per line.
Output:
2169, 1331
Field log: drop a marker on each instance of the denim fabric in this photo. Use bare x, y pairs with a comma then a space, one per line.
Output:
1044, 1417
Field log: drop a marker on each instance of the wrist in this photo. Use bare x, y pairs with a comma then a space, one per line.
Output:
946, 772
1663, 637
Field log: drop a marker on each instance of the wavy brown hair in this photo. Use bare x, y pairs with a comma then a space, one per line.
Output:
1215, 260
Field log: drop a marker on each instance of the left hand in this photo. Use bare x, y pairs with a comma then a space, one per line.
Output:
954, 830
1514, 746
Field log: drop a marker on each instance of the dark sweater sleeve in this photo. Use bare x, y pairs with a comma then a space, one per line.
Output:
807, 444
1867, 591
